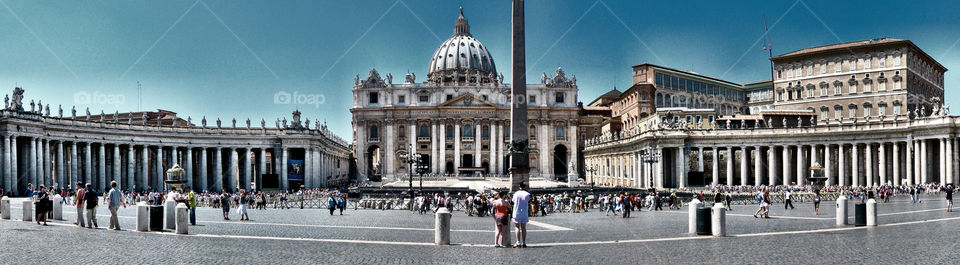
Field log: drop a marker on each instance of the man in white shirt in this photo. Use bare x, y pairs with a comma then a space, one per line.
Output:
521, 201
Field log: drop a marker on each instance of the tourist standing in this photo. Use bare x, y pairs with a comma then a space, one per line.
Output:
114, 201
91, 200
786, 200
342, 203
501, 212
521, 200
225, 204
948, 190
192, 203
816, 202
78, 201
726, 201
242, 206
43, 204
331, 204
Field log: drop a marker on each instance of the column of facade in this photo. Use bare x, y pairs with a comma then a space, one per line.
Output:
500, 147
492, 151
700, 159
757, 166
716, 165
868, 165
943, 161
477, 143
144, 165
855, 165
882, 166
771, 165
235, 168
248, 169
6, 163
744, 165
917, 168
62, 181
842, 169
924, 166
32, 162
14, 165
389, 166
412, 131
573, 152
45, 149
284, 178
262, 169
433, 147
456, 147
730, 153
786, 156
129, 182
949, 161
801, 162
896, 164
188, 167
828, 165
87, 174
442, 163
218, 171
117, 166
658, 170
319, 169
683, 167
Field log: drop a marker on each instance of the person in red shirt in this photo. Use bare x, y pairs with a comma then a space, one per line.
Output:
79, 203
501, 209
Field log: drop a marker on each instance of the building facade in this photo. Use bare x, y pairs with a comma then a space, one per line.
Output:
458, 120
136, 149
880, 122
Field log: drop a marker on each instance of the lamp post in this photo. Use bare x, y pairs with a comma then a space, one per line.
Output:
650, 157
592, 170
410, 158
421, 169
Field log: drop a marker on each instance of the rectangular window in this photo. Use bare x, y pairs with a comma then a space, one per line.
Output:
823, 68
883, 62
866, 112
424, 98
838, 67
837, 90
866, 63
559, 97
853, 113
852, 66
896, 84
883, 86
449, 97
401, 99
809, 70
853, 88
866, 87
797, 72
533, 99
837, 114
896, 61
374, 97
882, 110
896, 110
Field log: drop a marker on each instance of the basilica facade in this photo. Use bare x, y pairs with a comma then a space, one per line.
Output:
458, 119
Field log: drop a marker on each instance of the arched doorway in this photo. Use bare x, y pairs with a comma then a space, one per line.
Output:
374, 163
560, 158
449, 167
486, 167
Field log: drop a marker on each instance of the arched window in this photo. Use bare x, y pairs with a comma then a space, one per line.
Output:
467, 131
424, 131
532, 132
374, 132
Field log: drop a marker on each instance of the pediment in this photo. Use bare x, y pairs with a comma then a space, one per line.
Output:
467, 100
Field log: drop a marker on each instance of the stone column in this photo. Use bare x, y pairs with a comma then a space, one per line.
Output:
131, 168
234, 170
801, 165
62, 180
943, 161
477, 140
492, 151
7, 173
771, 165
100, 184
683, 166
32, 163
46, 161
744, 165
896, 164
317, 171
855, 165
456, 148
87, 174
433, 147
949, 161
574, 151
117, 166
248, 169
284, 182
716, 165
262, 169
828, 165
842, 169
174, 157
882, 166
786, 156
14, 166
500, 149
188, 168
730, 153
218, 171
868, 165
442, 152
924, 175
757, 166
144, 166
413, 136
388, 164
700, 159
910, 155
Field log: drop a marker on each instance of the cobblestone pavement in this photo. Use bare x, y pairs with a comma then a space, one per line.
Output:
909, 233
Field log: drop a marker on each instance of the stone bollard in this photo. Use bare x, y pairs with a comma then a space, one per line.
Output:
842, 210
143, 216
692, 220
719, 220
871, 212
169, 214
57, 208
182, 219
28, 210
442, 227
5, 208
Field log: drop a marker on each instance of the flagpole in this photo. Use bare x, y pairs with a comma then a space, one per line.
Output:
769, 49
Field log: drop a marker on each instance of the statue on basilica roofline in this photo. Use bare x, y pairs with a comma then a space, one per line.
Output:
17, 104
234, 123
32, 106
60, 107
6, 102
46, 111
263, 123
248, 123
218, 124
203, 122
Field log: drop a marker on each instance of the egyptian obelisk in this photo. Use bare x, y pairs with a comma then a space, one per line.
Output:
519, 138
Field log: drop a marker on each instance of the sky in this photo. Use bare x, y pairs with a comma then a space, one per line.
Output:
236, 59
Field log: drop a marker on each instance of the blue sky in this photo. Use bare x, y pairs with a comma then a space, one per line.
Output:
229, 58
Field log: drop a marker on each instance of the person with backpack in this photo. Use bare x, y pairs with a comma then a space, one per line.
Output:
91, 199
759, 198
331, 204
225, 204
816, 202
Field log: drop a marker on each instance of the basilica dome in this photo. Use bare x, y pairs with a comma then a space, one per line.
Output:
462, 57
